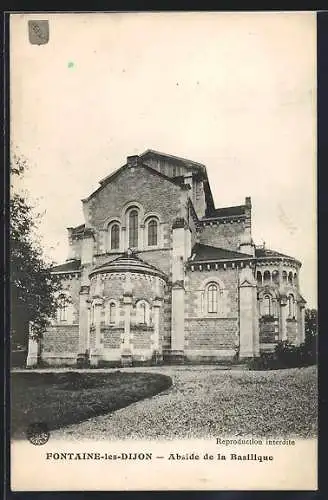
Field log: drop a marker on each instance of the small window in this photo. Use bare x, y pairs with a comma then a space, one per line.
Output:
259, 277
284, 276
133, 228
115, 237
290, 278
112, 313
152, 232
143, 312
266, 276
291, 306
266, 305
62, 308
212, 298
275, 277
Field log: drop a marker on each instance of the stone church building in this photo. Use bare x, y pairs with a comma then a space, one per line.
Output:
157, 274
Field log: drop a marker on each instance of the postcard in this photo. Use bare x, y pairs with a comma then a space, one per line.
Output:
163, 251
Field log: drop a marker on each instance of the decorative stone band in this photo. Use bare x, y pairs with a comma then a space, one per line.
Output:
221, 264
275, 261
216, 221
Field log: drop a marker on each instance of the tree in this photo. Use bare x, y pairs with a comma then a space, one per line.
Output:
311, 333
33, 288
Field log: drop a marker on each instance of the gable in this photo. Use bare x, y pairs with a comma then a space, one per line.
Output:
139, 184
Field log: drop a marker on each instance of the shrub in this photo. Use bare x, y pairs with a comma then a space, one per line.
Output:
286, 355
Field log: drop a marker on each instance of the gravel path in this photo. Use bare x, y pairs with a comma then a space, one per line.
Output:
213, 401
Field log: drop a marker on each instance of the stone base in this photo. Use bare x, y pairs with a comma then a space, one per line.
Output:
174, 357
94, 359
31, 361
126, 360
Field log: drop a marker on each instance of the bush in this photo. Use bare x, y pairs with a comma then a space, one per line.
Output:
286, 355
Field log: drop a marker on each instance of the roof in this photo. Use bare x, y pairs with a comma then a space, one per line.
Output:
261, 252
203, 253
185, 161
226, 212
69, 266
113, 175
77, 230
128, 262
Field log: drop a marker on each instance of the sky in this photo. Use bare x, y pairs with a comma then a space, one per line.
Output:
234, 91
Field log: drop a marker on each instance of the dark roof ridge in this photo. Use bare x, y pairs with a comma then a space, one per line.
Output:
173, 157
210, 252
116, 172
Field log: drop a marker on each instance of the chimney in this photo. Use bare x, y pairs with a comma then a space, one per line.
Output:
133, 161
248, 202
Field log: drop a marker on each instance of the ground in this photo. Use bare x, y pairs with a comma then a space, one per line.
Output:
211, 401
63, 398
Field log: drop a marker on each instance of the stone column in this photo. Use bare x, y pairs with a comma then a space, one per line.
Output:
126, 346
33, 349
95, 355
83, 319
156, 345
248, 315
178, 291
283, 318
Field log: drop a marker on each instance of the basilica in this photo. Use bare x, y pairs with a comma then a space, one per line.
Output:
156, 274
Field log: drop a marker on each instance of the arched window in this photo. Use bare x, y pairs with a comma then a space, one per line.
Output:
291, 306
266, 305
212, 298
259, 277
266, 276
115, 237
275, 276
92, 314
290, 278
62, 308
152, 233
133, 228
143, 312
284, 276
295, 278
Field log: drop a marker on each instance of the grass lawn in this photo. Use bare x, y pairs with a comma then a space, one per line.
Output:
205, 402
60, 399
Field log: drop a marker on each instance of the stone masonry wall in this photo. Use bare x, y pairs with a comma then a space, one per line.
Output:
138, 185
203, 332
61, 339
223, 235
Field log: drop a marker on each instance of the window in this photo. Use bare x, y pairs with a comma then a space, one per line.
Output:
133, 228
266, 276
284, 276
291, 306
275, 277
92, 314
143, 312
259, 277
115, 237
266, 305
212, 298
62, 308
290, 278
152, 232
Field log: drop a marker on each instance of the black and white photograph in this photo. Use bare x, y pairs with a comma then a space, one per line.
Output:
163, 253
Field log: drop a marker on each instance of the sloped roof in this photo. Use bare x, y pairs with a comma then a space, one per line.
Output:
266, 252
179, 159
226, 212
68, 266
78, 229
202, 253
128, 262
